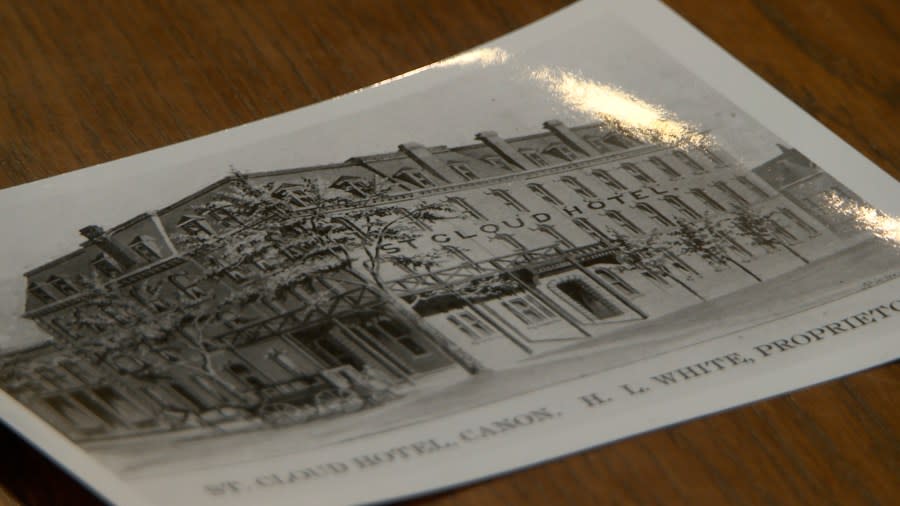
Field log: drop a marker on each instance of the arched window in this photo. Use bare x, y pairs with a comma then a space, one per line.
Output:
556, 235
738, 199
608, 180
586, 299
653, 214
510, 240
682, 207
664, 167
508, 199
544, 193
753, 187
624, 222
806, 227
637, 173
578, 187
708, 201
591, 230
684, 158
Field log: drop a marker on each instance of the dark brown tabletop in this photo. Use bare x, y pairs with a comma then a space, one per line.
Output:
91, 81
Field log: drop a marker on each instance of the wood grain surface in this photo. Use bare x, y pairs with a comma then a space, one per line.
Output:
84, 82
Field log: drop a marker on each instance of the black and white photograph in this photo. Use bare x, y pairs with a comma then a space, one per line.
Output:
530, 217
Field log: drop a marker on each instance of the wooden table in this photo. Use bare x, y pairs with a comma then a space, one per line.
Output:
87, 82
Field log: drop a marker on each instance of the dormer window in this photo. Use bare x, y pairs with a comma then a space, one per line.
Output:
496, 161
463, 170
533, 157
62, 285
194, 225
616, 140
560, 150
145, 247
39, 292
353, 185
106, 266
597, 142
222, 217
412, 177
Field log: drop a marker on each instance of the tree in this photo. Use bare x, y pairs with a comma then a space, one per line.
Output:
762, 230
704, 239
647, 254
290, 235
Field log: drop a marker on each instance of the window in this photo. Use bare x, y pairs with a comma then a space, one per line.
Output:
578, 187
508, 199
783, 233
597, 142
616, 281
806, 227
561, 151
194, 225
470, 325
591, 230
40, 293
707, 200
714, 158
62, 285
587, 300
353, 185
106, 266
654, 215
385, 328
608, 180
496, 161
624, 222
682, 207
463, 170
412, 177
544, 193
223, 216
533, 157
617, 140
510, 240
680, 265
753, 187
467, 208
145, 247
637, 173
735, 246
664, 167
185, 285
528, 310
245, 375
556, 235
300, 197
683, 157
723, 187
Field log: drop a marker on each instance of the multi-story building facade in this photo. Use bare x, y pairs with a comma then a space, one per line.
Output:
304, 292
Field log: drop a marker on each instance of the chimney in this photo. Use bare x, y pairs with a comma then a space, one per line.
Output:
504, 149
569, 137
96, 235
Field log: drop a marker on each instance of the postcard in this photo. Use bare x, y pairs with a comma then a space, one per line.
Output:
508, 256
